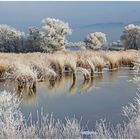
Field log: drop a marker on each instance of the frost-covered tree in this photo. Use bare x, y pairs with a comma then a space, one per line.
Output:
11, 40
34, 40
131, 37
54, 32
95, 40
50, 38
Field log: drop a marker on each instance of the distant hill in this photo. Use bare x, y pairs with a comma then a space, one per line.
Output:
135, 22
103, 24
110, 24
113, 30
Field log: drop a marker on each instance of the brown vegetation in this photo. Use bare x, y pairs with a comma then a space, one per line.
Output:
27, 69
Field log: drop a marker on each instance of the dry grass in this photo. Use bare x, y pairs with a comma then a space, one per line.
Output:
27, 69
84, 71
25, 77
3, 67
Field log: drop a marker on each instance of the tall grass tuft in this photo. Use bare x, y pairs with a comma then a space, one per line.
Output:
25, 77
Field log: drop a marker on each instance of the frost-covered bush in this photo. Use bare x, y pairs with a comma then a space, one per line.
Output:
131, 36
11, 118
11, 40
95, 40
14, 125
79, 45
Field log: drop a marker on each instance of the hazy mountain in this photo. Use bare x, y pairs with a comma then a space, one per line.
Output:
101, 24
109, 24
113, 30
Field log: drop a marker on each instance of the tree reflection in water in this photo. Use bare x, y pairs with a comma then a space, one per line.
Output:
26, 95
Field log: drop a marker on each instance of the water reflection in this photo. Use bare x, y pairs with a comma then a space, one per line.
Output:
112, 75
26, 95
101, 97
67, 82
59, 83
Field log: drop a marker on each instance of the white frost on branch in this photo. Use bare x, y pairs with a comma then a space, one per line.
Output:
11, 118
131, 36
95, 40
129, 130
13, 124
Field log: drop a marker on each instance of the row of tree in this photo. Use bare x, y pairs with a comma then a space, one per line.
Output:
52, 37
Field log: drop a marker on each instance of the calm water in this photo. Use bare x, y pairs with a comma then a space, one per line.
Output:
101, 98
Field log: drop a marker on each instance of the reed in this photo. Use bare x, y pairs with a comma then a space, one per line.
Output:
3, 67
113, 60
57, 65
128, 58
85, 62
98, 63
52, 66
25, 77
83, 71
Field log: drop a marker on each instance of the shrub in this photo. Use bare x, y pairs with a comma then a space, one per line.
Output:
95, 40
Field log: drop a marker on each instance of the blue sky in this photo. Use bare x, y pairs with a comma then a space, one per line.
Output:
24, 14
